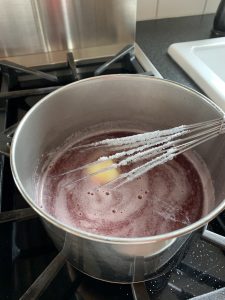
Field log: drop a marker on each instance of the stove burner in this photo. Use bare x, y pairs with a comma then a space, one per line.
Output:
123, 62
31, 268
7, 67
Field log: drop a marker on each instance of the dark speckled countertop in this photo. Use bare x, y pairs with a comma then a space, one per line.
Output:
155, 36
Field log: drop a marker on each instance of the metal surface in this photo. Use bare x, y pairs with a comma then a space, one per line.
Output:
145, 62
121, 54
139, 291
44, 279
5, 65
36, 26
90, 53
143, 147
28, 92
72, 65
53, 120
17, 215
128, 263
214, 237
6, 138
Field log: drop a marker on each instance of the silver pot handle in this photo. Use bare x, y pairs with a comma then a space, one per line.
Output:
6, 139
213, 237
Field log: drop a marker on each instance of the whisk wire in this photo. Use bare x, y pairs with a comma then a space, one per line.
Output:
151, 148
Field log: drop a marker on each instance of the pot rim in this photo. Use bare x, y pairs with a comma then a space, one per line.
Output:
101, 238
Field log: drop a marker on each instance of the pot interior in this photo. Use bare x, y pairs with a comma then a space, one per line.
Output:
145, 102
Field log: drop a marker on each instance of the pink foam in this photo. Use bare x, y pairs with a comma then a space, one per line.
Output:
166, 198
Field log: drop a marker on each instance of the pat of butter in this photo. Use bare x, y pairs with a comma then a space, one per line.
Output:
105, 176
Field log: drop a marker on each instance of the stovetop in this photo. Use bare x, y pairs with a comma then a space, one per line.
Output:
31, 267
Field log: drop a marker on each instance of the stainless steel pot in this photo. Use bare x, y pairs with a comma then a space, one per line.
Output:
154, 102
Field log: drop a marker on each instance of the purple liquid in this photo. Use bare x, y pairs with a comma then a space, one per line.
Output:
169, 197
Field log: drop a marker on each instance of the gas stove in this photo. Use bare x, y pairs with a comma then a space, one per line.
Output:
31, 267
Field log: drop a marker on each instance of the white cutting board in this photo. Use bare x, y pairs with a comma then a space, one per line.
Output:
204, 62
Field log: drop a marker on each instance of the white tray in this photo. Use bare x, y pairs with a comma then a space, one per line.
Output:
204, 62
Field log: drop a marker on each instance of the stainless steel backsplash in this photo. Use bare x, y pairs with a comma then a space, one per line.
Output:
37, 26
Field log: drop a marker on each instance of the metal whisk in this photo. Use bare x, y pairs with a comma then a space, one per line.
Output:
151, 149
